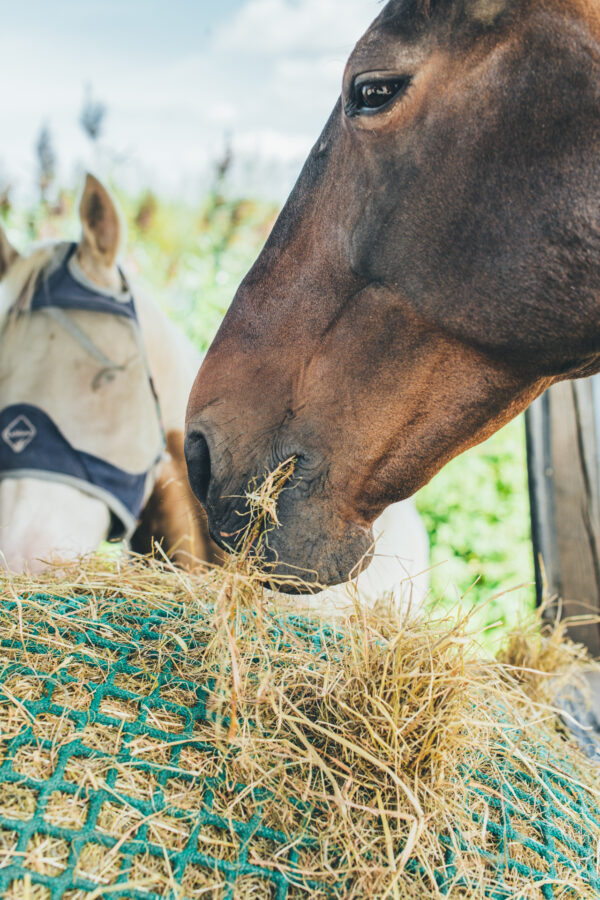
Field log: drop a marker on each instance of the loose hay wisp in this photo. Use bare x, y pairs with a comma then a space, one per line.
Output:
169, 735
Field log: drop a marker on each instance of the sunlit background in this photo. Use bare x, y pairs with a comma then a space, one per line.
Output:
178, 79
199, 115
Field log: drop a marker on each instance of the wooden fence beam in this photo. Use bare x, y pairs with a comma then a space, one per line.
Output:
563, 461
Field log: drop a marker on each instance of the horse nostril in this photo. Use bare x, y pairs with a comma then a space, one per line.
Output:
197, 456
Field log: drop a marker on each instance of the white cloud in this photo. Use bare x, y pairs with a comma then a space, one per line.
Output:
307, 26
269, 77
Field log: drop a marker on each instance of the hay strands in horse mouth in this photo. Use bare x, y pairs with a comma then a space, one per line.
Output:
260, 753
260, 515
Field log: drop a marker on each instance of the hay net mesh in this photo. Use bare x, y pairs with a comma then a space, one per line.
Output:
110, 786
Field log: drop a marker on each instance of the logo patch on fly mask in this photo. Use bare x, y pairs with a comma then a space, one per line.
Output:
19, 433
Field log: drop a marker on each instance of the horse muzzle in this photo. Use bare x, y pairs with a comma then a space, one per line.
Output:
306, 547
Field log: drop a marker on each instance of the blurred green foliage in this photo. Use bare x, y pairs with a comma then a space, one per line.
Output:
476, 511
192, 256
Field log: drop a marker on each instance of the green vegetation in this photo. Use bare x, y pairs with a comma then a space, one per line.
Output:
190, 258
476, 511
193, 259
193, 256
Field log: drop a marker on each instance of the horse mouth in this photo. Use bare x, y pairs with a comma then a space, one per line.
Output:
300, 555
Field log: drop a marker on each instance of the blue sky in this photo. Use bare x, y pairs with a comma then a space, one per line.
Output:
177, 78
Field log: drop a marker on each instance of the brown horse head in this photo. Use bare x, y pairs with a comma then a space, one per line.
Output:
435, 268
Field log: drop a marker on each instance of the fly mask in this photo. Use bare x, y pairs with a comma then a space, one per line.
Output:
77, 403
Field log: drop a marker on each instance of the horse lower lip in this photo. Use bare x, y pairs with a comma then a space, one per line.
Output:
297, 590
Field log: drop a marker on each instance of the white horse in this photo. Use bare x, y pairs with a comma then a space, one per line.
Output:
398, 573
77, 402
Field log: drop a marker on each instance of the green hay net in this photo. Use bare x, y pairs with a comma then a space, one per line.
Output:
108, 839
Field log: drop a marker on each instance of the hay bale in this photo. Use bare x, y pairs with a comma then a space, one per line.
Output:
169, 735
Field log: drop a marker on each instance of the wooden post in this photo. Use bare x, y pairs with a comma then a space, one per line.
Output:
563, 461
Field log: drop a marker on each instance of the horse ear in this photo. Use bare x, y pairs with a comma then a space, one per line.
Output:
100, 222
8, 254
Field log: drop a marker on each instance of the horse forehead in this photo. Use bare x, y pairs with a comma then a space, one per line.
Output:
406, 32
403, 16
406, 18
415, 25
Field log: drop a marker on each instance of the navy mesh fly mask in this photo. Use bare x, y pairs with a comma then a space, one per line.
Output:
77, 403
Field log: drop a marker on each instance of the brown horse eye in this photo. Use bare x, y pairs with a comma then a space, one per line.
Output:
371, 95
